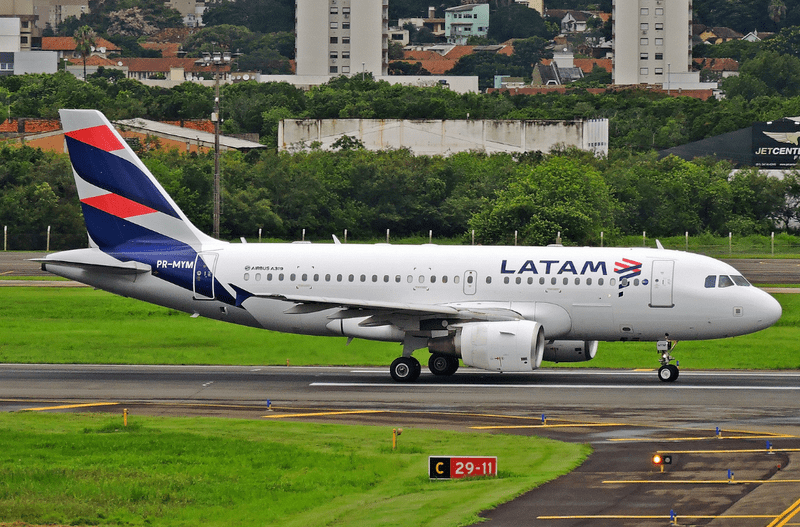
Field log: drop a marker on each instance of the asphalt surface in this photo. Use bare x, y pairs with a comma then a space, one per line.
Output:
625, 415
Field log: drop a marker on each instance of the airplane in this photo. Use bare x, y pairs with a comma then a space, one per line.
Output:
497, 308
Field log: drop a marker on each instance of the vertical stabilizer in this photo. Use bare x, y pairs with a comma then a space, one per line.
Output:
124, 207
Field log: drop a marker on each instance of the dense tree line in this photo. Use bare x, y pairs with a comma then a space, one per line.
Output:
365, 192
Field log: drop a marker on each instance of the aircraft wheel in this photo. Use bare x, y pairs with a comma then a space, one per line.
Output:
441, 364
405, 369
668, 373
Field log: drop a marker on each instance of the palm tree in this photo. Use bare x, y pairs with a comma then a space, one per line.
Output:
777, 10
84, 43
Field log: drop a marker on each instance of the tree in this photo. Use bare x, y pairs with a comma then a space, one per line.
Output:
562, 194
777, 10
518, 21
85, 38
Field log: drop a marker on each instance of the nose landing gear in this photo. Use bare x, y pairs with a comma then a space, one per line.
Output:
667, 372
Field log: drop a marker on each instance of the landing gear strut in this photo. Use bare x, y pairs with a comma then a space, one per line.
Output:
667, 372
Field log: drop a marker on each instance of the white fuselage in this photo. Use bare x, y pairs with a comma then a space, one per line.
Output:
575, 293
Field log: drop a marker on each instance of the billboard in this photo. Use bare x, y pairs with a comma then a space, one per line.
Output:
776, 144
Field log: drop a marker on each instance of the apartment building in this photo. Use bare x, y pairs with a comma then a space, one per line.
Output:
653, 42
466, 21
342, 37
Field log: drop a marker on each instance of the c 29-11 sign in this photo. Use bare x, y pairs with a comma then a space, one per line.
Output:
456, 467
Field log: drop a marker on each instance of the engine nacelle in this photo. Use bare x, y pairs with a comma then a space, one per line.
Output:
516, 345
570, 350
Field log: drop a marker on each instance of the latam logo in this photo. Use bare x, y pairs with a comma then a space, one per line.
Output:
627, 269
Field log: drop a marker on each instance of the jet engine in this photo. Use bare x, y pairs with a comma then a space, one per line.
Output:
516, 345
570, 350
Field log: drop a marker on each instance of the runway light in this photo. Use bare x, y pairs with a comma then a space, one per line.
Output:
660, 460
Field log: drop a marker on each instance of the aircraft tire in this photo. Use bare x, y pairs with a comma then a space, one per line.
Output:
668, 373
405, 369
441, 364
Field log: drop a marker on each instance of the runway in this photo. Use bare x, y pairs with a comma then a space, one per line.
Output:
712, 421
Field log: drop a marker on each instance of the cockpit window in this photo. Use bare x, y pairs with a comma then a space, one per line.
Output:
740, 280
725, 281
711, 281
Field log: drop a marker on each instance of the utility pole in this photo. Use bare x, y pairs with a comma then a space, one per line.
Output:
216, 59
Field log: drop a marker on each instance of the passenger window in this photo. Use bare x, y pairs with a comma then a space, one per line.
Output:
305, 277
456, 279
269, 277
470, 279
553, 281
410, 279
740, 280
711, 280
316, 278
386, 278
600, 281
258, 277
246, 276
327, 278
541, 280
421, 279
433, 279
519, 280
505, 280
397, 279
725, 281
444, 279
374, 278
566, 281
613, 281
530, 280
488, 279
577, 281
363, 278
292, 277
338, 278
351, 278
280, 277
588, 281
635, 281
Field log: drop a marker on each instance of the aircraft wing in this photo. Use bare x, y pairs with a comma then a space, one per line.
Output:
382, 312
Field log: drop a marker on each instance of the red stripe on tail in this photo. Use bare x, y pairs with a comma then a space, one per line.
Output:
97, 136
118, 206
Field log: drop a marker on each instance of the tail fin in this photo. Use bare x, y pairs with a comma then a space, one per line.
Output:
123, 204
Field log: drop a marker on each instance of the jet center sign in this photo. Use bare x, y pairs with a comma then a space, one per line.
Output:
457, 467
776, 144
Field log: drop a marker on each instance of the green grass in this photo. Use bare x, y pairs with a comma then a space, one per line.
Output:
81, 325
86, 469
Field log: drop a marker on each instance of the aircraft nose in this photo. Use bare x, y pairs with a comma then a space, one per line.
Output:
769, 309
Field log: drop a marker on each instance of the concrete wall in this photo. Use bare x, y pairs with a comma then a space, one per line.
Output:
35, 62
438, 137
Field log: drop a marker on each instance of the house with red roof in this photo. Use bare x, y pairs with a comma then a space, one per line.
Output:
65, 47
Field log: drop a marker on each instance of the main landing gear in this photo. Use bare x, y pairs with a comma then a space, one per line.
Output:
667, 372
407, 369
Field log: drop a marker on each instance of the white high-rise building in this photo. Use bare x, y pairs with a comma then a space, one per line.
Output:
342, 37
653, 42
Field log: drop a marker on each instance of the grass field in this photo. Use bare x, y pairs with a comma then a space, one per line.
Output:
81, 325
86, 469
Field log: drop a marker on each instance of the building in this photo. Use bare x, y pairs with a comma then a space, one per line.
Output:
51, 13
466, 21
653, 43
192, 11
66, 47
437, 137
342, 37
538, 5
435, 25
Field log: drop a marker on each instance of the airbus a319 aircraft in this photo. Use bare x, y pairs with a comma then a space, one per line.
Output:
496, 308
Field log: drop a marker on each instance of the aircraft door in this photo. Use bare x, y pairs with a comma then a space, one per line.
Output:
204, 265
470, 282
661, 283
